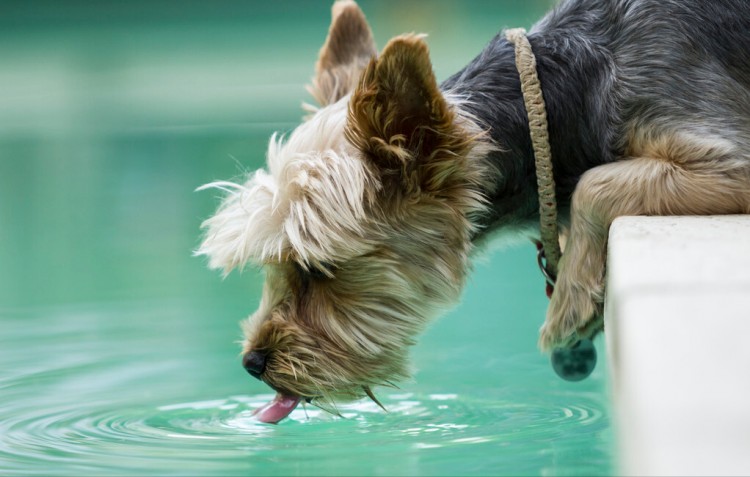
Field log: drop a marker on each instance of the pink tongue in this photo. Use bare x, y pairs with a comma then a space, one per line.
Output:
276, 410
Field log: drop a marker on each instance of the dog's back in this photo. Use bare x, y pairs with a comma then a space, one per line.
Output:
674, 64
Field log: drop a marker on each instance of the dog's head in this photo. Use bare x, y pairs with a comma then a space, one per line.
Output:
362, 220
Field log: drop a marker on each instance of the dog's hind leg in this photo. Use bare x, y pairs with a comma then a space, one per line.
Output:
672, 174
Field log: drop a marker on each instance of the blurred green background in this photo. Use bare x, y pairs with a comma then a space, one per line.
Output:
111, 115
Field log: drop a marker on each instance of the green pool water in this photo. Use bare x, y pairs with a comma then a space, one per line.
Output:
118, 349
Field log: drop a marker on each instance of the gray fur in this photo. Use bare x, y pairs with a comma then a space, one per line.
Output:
607, 68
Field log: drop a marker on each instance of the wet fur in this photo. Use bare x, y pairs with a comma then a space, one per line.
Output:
368, 213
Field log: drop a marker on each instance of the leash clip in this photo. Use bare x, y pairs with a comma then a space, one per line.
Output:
541, 260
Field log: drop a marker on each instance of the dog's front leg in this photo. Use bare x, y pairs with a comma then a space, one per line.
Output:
699, 182
579, 291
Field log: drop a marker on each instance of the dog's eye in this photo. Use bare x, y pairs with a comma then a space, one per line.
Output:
317, 273
321, 271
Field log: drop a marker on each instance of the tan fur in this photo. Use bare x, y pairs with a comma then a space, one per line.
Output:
333, 338
308, 205
670, 173
400, 120
363, 235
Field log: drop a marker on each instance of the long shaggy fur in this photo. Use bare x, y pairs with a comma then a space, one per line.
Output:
363, 223
308, 206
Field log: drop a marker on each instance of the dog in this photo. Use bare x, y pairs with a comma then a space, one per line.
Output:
367, 216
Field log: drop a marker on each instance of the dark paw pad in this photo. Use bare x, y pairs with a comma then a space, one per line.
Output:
575, 363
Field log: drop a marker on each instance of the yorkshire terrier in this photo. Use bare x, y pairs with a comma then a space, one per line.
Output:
367, 215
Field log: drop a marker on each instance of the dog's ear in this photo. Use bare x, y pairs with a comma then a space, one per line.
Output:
345, 54
400, 120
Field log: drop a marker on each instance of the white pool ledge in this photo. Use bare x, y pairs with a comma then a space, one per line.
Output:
678, 340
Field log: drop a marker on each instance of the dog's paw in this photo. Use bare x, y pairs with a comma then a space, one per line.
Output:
572, 315
552, 337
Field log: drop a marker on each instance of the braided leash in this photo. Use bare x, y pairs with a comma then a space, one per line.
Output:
549, 246
578, 361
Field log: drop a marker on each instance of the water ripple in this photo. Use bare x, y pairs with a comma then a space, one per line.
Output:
226, 429
225, 417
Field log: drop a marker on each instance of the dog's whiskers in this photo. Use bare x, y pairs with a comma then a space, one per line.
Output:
371, 395
326, 405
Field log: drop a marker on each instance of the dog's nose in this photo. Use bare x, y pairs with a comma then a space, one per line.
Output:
254, 363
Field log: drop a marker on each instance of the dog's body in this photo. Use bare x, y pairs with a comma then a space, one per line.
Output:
368, 214
661, 88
